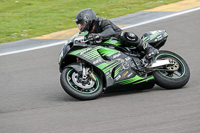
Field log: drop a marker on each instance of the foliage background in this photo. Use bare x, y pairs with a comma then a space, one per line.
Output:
20, 19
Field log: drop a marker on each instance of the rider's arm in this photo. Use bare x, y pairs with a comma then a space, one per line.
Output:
107, 30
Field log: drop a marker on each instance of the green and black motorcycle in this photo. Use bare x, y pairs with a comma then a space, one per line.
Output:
88, 70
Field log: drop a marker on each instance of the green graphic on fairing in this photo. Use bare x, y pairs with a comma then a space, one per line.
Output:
106, 67
109, 76
107, 51
103, 65
165, 34
114, 42
117, 71
134, 80
145, 38
78, 51
92, 53
155, 34
111, 67
144, 80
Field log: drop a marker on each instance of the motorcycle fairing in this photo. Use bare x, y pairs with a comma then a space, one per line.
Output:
155, 38
114, 64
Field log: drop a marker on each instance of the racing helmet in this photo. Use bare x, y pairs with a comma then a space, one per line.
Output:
85, 19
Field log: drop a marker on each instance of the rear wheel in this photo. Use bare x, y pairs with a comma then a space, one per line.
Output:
174, 76
78, 88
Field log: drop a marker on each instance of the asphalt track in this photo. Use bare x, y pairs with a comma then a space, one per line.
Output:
32, 100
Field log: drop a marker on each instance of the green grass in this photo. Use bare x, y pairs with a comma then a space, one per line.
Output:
20, 19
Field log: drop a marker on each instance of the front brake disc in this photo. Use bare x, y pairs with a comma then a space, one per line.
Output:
89, 85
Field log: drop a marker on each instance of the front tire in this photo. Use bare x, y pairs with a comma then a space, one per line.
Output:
177, 76
72, 86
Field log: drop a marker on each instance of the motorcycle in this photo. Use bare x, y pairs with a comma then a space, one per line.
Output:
89, 69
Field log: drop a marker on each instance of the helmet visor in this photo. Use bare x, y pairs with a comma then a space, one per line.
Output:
81, 26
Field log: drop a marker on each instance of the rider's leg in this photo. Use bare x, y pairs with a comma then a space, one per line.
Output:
130, 39
149, 51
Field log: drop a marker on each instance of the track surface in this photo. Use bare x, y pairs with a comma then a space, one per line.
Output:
32, 100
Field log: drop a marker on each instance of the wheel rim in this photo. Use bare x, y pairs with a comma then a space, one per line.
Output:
174, 67
76, 81
177, 70
88, 87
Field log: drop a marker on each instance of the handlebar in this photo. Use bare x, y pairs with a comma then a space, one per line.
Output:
91, 39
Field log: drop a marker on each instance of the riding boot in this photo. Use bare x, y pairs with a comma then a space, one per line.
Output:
149, 50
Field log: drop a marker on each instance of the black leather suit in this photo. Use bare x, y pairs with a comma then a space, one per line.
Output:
107, 29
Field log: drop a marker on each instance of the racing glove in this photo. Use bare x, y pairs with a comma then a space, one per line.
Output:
94, 36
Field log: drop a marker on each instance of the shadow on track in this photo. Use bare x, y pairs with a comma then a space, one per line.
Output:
129, 90
117, 91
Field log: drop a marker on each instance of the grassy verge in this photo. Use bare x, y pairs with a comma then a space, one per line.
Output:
20, 19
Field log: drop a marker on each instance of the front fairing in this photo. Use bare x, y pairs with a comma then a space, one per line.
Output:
69, 43
64, 51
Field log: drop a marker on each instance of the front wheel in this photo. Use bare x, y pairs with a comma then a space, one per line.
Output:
83, 90
175, 76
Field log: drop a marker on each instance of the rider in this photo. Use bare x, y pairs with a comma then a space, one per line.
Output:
104, 29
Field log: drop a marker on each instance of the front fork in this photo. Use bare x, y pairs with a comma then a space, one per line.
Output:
84, 72
87, 71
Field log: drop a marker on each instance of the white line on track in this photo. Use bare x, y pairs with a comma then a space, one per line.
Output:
33, 48
130, 26
162, 18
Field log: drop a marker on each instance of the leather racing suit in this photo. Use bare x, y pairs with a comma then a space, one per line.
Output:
105, 29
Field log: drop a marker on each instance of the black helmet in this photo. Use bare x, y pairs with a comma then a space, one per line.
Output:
85, 19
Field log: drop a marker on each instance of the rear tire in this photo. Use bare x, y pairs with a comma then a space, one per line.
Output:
82, 94
175, 79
